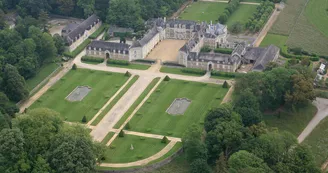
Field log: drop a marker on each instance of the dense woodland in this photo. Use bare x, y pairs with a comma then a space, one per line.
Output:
236, 138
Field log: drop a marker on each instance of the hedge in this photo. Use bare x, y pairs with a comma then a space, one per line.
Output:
98, 31
118, 62
193, 71
225, 74
223, 50
92, 59
321, 94
284, 52
148, 61
78, 50
169, 63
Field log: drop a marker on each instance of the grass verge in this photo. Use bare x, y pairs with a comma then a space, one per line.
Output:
177, 71
107, 137
114, 101
78, 50
43, 73
131, 66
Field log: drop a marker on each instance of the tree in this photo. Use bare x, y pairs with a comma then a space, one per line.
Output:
14, 84
3, 121
221, 164
84, 119
237, 28
59, 43
74, 67
49, 50
302, 90
7, 107
66, 7
88, 6
127, 74
271, 65
198, 166
192, 144
243, 161
305, 61
225, 85
223, 18
43, 18
127, 126
164, 140
166, 78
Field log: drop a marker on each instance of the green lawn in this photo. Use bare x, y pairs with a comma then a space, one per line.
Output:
152, 116
114, 101
178, 165
136, 103
294, 122
203, 11
43, 73
120, 150
107, 137
176, 71
275, 39
104, 85
242, 14
131, 66
317, 13
318, 142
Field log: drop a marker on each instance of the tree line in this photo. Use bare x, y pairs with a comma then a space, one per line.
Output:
260, 17
39, 142
237, 140
232, 6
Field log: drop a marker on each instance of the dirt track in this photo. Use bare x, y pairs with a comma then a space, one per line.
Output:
166, 50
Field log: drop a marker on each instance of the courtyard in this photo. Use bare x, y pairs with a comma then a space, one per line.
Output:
166, 50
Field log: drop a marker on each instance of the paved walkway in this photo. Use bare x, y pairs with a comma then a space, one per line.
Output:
322, 105
119, 109
158, 155
267, 27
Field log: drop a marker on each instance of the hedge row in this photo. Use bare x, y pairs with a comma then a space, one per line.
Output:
193, 71
225, 74
148, 61
100, 30
322, 94
78, 50
92, 59
284, 52
169, 63
118, 62
223, 50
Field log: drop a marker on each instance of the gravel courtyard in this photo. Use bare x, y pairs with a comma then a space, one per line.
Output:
166, 50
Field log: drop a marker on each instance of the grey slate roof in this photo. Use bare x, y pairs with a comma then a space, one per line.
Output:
81, 28
214, 57
239, 49
216, 29
190, 44
146, 38
70, 27
110, 46
268, 55
188, 23
253, 53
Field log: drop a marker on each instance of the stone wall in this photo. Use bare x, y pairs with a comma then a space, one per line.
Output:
148, 168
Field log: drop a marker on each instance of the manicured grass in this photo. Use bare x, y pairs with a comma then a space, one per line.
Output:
120, 150
98, 31
203, 11
221, 77
242, 14
294, 122
152, 116
275, 39
136, 103
131, 66
107, 138
178, 165
114, 101
104, 85
78, 50
176, 71
43, 73
318, 142
317, 13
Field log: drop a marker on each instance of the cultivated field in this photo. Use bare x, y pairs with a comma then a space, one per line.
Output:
120, 150
152, 116
103, 86
167, 50
317, 13
203, 11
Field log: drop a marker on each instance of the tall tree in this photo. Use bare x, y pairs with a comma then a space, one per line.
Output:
49, 50
302, 90
15, 86
88, 6
192, 144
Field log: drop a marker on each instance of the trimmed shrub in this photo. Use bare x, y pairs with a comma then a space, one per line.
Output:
84, 119
127, 73
92, 59
225, 74
148, 61
225, 85
167, 78
118, 62
223, 50
165, 140
78, 50
205, 49
121, 134
98, 31
127, 126
194, 71
169, 63
74, 67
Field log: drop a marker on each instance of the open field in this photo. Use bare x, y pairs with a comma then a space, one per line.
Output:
114, 101
275, 39
120, 150
318, 142
152, 116
293, 122
203, 11
167, 50
136, 103
317, 13
103, 86
242, 14
43, 73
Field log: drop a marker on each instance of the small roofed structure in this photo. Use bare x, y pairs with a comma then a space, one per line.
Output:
266, 55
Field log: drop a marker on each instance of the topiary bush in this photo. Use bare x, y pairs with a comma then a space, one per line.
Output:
118, 62
121, 134
127, 126
74, 67
167, 78
164, 140
84, 119
92, 59
225, 85
194, 71
127, 74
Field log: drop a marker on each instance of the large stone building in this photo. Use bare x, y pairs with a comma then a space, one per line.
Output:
75, 34
197, 35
